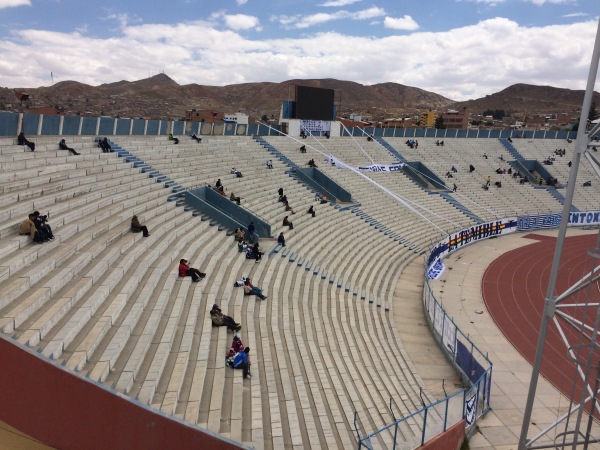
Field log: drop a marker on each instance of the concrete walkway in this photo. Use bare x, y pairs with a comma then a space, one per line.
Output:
459, 290
431, 364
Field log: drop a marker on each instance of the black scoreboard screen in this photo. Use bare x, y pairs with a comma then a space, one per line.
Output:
314, 103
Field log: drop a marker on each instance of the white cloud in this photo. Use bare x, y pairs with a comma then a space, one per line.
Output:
241, 2
461, 63
555, 2
321, 18
339, 2
401, 23
241, 21
490, 2
579, 14
13, 3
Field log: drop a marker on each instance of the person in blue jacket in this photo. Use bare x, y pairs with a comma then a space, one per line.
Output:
242, 361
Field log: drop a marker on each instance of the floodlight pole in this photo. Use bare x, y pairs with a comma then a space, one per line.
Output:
549, 304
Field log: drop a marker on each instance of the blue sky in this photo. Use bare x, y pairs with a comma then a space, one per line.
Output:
458, 48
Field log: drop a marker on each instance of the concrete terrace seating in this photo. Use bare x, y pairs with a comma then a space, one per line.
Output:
585, 198
108, 303
377, 204
512, 198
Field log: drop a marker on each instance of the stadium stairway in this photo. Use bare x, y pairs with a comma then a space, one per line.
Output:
559, 196
146, 168
291, 164
511, 149
466, 211
391, 149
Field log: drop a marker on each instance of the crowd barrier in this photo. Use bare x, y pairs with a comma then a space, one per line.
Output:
473, 366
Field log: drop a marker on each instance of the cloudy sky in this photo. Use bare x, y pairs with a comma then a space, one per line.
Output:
458, 48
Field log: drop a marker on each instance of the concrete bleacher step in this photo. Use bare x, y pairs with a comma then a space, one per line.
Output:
127, 320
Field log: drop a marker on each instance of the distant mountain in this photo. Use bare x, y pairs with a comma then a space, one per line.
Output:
161, 97
529, 99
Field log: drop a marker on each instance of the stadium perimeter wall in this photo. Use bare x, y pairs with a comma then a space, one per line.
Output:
11, 124
67, 411
451, 439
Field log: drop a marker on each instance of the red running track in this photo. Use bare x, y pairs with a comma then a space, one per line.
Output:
514, 288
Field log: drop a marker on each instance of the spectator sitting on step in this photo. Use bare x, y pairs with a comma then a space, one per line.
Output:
498, 184
242, 247
281, 239
269, 163
256, 252
218, 184
250, 289
237, 346
233, 198
289, 208
311, 163
241, 361
323, 199
174, 139
236, 172
195, 137
104, 145
471, 168
41, 224
499, 171
186, 271
22, 140
453, 169
485, 186
27, 228
137, 227
283, 199
240, 235
449, 175
219, 319
303, 149
280, 192
287, 223
311, 211
63, 146
587, 184
485, 155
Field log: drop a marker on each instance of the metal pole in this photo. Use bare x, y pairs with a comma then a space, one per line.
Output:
549, 305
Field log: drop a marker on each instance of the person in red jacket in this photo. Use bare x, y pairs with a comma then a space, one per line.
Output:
186, 271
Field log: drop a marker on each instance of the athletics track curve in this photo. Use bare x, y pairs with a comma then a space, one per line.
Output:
514, 287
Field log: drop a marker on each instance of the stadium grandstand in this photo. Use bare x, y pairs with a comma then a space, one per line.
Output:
105, 345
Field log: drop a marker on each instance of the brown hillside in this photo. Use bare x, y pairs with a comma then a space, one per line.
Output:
529, 99
161, 97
